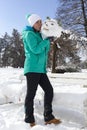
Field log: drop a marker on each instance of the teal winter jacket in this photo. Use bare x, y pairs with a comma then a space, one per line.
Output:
36, 51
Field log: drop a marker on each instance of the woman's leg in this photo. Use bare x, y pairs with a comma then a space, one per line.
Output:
32, 83
48, 97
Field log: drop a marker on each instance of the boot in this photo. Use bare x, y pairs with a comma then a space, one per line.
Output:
32, 124
53, 121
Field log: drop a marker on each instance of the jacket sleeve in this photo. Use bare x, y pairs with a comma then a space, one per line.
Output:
33, 44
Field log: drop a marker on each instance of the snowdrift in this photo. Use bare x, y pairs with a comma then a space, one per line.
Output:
70, 93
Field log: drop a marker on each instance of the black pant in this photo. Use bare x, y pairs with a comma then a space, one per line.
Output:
33, 79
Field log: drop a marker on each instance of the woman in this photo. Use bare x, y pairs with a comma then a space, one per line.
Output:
36, 53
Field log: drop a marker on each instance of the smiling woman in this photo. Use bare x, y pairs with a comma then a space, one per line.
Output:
13, 15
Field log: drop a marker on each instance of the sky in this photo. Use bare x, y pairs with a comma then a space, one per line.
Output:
13, 12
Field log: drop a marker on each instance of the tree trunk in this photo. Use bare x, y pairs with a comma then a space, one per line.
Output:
84, 15
54, 47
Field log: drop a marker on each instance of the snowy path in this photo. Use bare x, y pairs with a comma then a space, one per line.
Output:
11, 118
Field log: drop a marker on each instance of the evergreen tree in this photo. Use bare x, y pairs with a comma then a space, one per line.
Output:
14, 53
4, 41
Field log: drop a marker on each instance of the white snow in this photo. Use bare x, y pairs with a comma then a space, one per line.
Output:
69, 103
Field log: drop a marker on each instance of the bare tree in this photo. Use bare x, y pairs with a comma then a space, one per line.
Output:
73, 15
63, 48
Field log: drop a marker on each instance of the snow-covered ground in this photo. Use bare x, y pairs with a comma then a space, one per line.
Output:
69, 103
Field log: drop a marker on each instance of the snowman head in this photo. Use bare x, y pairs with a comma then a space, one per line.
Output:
51, 28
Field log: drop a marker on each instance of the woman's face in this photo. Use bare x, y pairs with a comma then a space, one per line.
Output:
37, 25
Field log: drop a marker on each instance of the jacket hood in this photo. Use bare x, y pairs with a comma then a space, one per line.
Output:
28, 28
